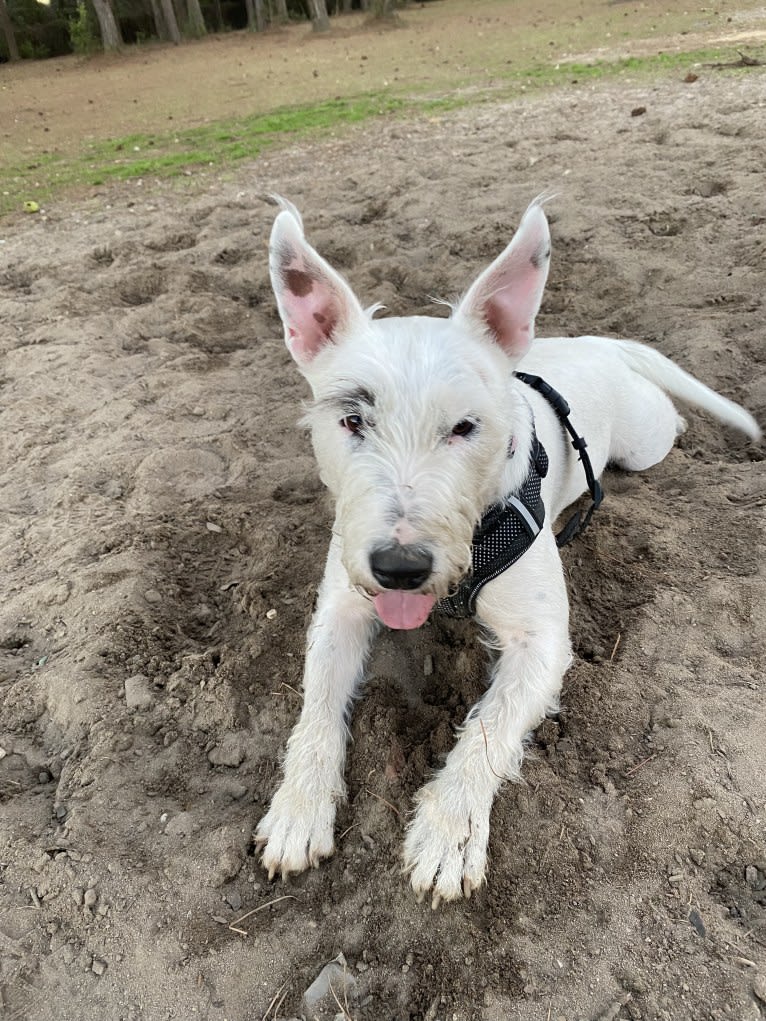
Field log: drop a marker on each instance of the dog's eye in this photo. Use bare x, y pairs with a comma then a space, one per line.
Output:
463, 428
353, 423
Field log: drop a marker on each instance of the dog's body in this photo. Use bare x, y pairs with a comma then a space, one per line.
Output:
419, 425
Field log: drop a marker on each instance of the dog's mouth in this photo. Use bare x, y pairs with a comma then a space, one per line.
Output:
403, 610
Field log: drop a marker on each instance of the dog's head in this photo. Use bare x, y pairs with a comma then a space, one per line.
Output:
415, 419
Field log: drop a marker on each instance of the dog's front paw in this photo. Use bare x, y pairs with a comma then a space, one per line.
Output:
445, 849
296, 832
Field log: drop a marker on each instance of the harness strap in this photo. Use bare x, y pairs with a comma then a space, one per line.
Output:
578, 522
508, 529
504, 534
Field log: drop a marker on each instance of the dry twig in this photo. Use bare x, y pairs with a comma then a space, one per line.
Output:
274, 1001
643, 762
616, 646
744, 61
254, 911
387, 803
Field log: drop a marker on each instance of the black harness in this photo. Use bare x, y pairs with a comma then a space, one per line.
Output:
508, 529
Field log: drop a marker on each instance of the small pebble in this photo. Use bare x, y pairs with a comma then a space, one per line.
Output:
696, 920
703, 804
428, 666
751, 876
137, 693
98, 967
113, 489
90, 898
228, 753
152, 595
759, 987
271, 614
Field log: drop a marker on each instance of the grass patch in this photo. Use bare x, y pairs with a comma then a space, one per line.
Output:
167, 154
225, 143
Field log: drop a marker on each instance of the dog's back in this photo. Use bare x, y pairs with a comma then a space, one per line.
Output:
618, 392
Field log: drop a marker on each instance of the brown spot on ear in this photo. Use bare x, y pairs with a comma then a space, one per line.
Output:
320, 318
298, 282
541, 256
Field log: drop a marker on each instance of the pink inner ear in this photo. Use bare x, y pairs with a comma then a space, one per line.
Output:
312, 311
507, 315
506, 296
510, 308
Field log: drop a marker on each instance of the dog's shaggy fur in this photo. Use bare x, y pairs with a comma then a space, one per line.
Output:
414, 422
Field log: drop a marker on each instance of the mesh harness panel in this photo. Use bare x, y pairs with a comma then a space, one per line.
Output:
508, 529
503, 535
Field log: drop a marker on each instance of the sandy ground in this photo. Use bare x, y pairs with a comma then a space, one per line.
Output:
163, 532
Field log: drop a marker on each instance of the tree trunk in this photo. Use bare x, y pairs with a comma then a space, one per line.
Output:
159, 21
256, 16
320, 20
346, 6
171, 21
281, 16
10, 36
196, 22
111, 36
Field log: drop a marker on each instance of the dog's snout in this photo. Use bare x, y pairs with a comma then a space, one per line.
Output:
401, 567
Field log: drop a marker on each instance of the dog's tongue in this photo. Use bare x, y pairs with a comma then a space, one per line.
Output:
403, 610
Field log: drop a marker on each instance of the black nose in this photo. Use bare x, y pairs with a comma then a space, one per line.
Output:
403, 567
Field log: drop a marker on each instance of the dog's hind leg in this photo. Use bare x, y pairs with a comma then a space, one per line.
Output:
526, 609
646, 425
298, 829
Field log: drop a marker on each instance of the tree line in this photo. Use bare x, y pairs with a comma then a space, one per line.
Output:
30, 29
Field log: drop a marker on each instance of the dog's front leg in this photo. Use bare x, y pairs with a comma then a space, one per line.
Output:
298, 829
526, 611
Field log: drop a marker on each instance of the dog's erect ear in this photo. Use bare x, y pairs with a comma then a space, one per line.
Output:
506, 297
315, 303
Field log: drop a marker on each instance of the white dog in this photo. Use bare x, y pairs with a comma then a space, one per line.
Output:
420, 427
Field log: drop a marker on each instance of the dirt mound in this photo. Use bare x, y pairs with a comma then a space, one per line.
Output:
163, 536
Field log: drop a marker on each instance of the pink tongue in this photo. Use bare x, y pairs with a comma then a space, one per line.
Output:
403, 610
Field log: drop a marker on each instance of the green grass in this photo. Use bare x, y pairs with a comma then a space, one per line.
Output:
171, 153
226, 143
